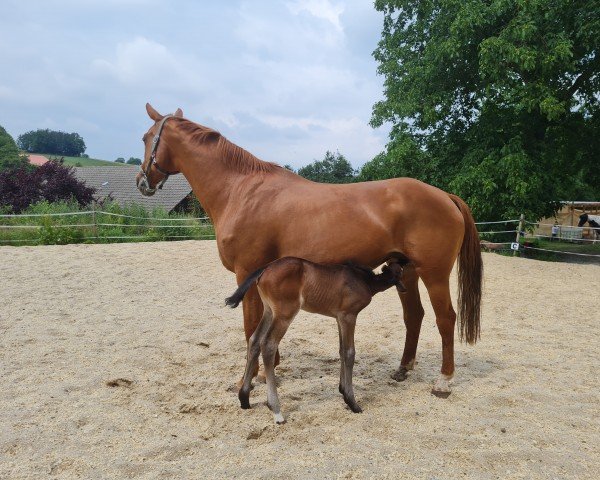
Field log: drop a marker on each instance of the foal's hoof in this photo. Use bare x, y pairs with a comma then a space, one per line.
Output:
439, 394
278, 417
244, 400
401, 374
352, 405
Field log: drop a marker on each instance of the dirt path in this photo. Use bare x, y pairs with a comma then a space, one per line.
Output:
118, 362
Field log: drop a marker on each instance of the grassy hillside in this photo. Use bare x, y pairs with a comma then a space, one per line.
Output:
83, 162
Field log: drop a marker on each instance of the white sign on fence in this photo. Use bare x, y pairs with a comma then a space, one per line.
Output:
514, 246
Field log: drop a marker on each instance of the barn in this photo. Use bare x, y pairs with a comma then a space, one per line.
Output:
118, 184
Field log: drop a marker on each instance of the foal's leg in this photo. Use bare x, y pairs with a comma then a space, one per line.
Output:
253, 310
269, 347
413, 317
252, 357
346, 323
445, 317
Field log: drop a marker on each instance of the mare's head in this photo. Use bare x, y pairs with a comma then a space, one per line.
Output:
582, 219
157, 165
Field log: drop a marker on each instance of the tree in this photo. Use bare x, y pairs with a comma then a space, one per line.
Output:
120, 160
496, 101
53, 181
134, 161
334, 168
9, 153
52, 142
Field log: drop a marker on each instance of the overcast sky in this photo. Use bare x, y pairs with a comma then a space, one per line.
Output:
286, 80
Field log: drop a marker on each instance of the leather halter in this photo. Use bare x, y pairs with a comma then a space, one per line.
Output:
153, 161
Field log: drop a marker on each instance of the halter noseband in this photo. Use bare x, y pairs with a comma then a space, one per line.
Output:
153, 162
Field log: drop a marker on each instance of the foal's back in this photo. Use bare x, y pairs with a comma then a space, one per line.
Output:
292, 283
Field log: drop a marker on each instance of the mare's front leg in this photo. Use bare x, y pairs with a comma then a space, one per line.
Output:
346, 325
413, 318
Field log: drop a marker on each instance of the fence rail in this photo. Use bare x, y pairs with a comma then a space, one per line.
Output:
201, 228
98, 226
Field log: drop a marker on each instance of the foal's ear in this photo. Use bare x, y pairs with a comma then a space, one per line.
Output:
178, 113
153, 114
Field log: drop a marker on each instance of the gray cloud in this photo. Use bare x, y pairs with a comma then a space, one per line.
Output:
285, 80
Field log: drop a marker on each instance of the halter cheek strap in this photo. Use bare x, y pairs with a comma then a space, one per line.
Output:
153, 162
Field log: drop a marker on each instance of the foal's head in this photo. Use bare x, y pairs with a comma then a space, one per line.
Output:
393, 273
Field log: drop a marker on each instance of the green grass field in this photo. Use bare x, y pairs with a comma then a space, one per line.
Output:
82, 162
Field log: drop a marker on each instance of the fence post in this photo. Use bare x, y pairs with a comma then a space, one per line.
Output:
519, 230
95, 227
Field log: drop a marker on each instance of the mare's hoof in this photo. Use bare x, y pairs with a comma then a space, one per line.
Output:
440, 394
401, 374
261, 377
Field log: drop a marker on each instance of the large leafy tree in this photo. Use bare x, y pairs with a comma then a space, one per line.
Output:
494, 100
50, 141
334, 168
9, 153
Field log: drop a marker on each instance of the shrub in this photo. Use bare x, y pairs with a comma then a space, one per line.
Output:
53, 182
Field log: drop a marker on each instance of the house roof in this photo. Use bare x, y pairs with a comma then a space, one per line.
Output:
38, 160
119, 182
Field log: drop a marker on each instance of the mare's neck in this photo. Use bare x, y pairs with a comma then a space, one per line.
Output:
211, 179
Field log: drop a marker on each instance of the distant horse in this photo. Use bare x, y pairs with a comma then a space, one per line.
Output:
593, 221
262, 212
291, 284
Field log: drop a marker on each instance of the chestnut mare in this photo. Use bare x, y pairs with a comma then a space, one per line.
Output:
262, 212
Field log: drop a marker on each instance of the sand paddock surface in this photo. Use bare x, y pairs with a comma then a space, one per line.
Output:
118, 361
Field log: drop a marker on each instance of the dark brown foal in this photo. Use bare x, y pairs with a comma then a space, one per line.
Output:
291, 284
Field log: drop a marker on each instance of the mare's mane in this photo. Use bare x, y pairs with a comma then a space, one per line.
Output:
233, 156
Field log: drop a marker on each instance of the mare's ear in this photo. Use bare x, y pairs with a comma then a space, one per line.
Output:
153, 114
178, 113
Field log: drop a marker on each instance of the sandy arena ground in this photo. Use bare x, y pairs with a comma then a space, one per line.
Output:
118, 362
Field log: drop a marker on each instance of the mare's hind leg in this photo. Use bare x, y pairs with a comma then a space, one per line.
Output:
252, 357
346, 324
445, 317
413, 317
269, 347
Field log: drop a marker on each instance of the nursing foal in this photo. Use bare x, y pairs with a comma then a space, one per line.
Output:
291, 284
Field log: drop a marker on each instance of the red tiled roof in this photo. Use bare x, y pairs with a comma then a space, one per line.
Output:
38, 160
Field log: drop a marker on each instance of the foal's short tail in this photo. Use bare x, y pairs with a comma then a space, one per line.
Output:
470, 277
238, 295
